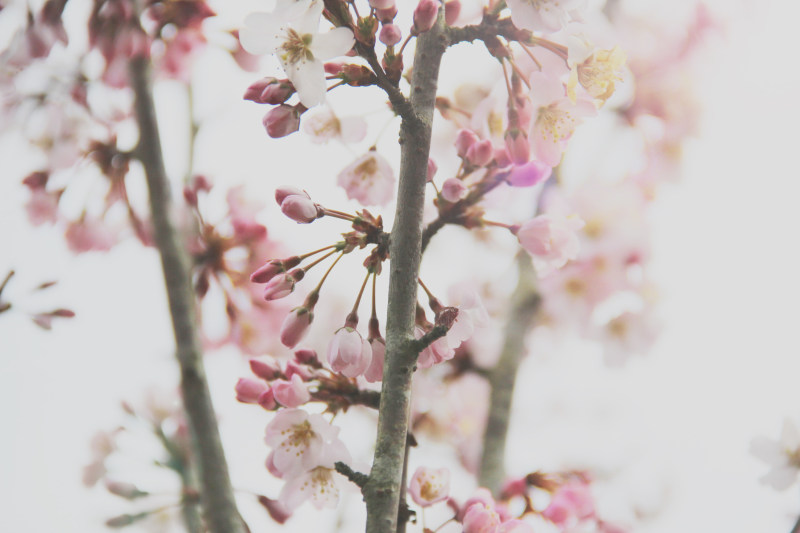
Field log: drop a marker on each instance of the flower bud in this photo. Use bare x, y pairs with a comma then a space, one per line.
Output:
381, 4
299, 208
282, 192
292, 393
267, 271
425, 16
387, 14
465, 139
480, 153
432, 168
282, 286
295, 326
452, 9
267, 400
306, 356
265, 368
453, 190
390, 34
281, 121
253, 93
518, 146
248, 390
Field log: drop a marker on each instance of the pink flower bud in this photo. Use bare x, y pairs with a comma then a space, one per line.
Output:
551, 241
306, 356
529, 174
267, 271
386, 15
429, 485
282, 192
381, 4
480, 153
281, 121
453, 190
295, 326
432, 168
277, 93
349, 353
253, 93
374, 372
267, 400
452, 9
190, 196
280, 286
248, 390
294, 368
299, 208
425, 15
573, 499
518, 146
265, 368
292, 393
465, 139
390, 34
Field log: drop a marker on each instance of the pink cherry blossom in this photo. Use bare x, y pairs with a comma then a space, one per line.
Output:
282, 120
529, 174
292, 393
429, 485
550, 240
369, 180
480, 518
390, 34
571, 503
349, 353
425, 15
556, 117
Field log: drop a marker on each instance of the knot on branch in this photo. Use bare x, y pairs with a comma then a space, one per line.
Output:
356, 477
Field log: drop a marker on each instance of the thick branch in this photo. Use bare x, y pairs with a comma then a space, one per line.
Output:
502, 378
382, 492
215, 487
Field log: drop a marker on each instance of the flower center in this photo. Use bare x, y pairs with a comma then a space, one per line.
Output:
299, 438
556, 123
296, 47
367, 169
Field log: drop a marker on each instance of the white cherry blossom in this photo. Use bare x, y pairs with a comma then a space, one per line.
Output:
291, 32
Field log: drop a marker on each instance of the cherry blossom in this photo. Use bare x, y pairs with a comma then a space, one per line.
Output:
369, 179
544, 15
556, 117
429, 485
292, 393
594, 69
324, 125
783, 456
550, 240
291, 32
302, 441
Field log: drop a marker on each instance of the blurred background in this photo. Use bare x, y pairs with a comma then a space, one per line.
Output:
667, 434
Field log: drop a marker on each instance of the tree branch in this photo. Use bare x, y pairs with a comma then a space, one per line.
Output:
219, 506
382, 491
524, 305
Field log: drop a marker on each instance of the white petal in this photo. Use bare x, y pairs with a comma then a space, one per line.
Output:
767, 450
308, 21
790, 436
308, 78
780, 478
259, 34
336, 42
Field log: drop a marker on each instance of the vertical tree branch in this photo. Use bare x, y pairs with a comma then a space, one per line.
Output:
382, 491
219, 507
502, 377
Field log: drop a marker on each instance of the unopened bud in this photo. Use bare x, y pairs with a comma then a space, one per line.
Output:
425, 15
287, 190
480, 153
390, 34
386, 15
248, 390
265, 368
295, 326
267, 272
299, 208
282, 121
452, 9
432, 168
518, 146
465, 139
